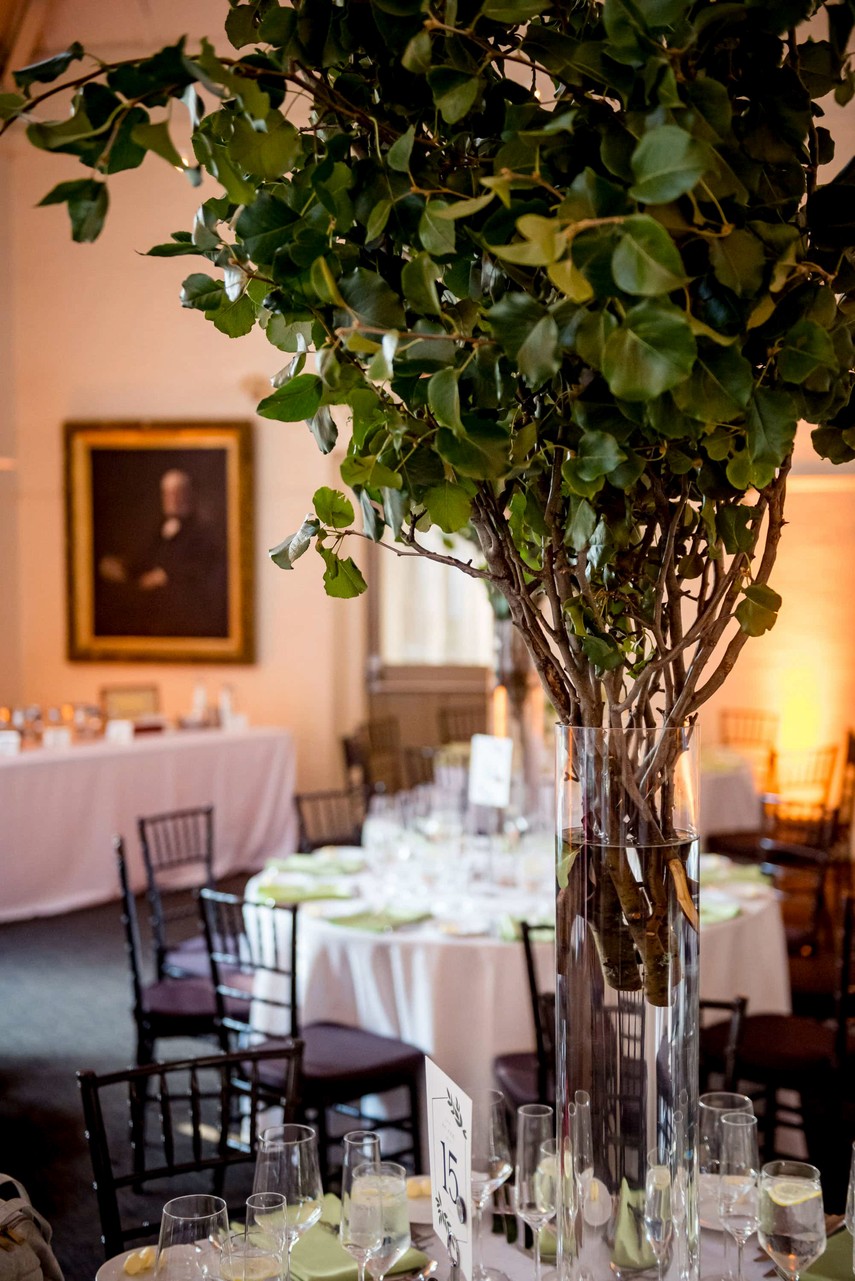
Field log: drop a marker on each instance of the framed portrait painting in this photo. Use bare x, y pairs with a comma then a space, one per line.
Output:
159, 541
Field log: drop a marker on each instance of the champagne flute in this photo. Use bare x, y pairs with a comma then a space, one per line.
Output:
792, 1220
491, 1167
194, 1233
658, 1216
850, 1204
711, 1108
536, 1171
359, 1226
267, 1222
287, 1162
384, 1185
737, 1185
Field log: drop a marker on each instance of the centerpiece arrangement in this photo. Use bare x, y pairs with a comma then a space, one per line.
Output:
570, 276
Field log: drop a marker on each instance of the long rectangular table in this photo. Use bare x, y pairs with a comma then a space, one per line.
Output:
59, 810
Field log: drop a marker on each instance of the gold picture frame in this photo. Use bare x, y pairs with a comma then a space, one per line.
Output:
159, 541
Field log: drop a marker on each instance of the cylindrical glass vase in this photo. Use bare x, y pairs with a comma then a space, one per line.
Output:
627, 1001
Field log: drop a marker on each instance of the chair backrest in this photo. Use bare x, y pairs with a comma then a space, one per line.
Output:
419, 765
178, 852
165, 1123
748, 727
736, 1009
131, 924
805, 777
542, 1008
458, 723
330, 817
253, 953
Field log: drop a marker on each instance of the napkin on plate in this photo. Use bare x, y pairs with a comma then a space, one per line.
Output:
280, 892
318, 1256
321, 863
380, 922
713, 913
751, 873
836, 1263
631, 1248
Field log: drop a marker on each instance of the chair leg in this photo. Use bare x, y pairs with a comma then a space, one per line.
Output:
145, 1048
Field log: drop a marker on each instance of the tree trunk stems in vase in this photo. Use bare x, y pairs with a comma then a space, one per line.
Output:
627, 989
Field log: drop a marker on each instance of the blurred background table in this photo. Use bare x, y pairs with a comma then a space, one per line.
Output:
61, 807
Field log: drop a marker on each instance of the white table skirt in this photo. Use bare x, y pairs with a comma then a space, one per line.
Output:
463, 1000
59, 810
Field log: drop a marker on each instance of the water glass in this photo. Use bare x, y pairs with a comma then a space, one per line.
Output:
738, 1173
267, 1221
711, 1108
287, 1162
491, 1167
248, 1258
360, 1223
383, 1186
791, 1216
658, 1215
194, 1234
536, 1171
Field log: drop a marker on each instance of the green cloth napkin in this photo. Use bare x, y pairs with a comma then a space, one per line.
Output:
380, 922
318, 1256
317, 864
631, 1248
745, 872
712, 913
508, 928
280, 893
836, 1263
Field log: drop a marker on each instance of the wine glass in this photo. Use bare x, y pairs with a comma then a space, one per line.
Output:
536, 1171
658, 1216
194, 1234
491, 1167
267, 1221
739, 1167
792, 1220
287, 1162
384, 1185
359, 1226
711, 1108
248, 1257
850, 1204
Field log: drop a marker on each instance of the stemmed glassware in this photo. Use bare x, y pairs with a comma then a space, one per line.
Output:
711, 1108
267, 1223
658, 1214
287, 1162
536, 1171
360, 1224
491, 1167
738, 1172
384, 1186
194, 1233
791, 1214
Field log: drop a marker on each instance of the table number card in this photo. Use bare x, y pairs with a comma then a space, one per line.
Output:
119, 731
490, 767
450, 1142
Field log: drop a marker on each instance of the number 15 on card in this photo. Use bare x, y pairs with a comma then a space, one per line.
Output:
449, 1137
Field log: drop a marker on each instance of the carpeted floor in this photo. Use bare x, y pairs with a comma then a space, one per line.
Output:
65, 1005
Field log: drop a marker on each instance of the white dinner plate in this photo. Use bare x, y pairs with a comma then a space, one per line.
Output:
114, 1269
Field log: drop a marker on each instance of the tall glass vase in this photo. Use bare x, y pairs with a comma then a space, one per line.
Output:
627, 1000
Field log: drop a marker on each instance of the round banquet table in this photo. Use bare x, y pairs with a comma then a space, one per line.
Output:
456, 988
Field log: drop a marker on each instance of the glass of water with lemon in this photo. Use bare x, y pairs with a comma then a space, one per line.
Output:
791, 1216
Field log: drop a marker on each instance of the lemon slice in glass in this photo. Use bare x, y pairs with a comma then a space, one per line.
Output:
793, 1192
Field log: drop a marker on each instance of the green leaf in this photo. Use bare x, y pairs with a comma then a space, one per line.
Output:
267, 151
448, 506
235, 318
332, 508
758, 612
483, 452
369, 473
538, 357
804, 348
667, 163
201, 292
291, 548
87, 201
157, 138
418, 281
732, 525
646, 260
602, 653
512, 319
464, 208
770, 431
264, 227
241, 25
377, 220
323, 427
49, 69
398, 155
597, 455
738, 261
417, 55
342, 577
653, 350
512, 11
444, 398
581, 524
567, 277
299, 399
454, 92
367, 293
436, 234
719, 387
10, 105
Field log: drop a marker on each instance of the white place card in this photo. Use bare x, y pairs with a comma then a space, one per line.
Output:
119, 731
450, 1145
10, 742
56, 736
490, 766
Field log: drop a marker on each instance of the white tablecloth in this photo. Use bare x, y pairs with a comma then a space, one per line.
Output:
463, 1000
59, 810
728, 800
